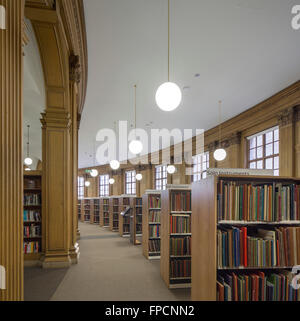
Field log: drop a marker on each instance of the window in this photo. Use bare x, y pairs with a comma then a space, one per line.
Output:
80, 186
103, 185
130, 182
161, 177
263, 150
200, 166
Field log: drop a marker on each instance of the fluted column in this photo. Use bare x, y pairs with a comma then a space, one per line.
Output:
11, 168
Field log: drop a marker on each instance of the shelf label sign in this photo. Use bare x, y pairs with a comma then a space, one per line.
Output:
2, 278
2, 18
296, 18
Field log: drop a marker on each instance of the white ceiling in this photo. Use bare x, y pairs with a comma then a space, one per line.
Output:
244, 50
34, 97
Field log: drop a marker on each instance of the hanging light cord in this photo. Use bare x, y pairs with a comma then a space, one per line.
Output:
28, 126
220, 126
168, 40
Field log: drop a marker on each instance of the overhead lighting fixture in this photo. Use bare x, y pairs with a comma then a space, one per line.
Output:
111, 181
135, 145
171, 169
168, 95
28, 160
27, 169
220, 153
114, 164
139, 177
87, 183
94, 172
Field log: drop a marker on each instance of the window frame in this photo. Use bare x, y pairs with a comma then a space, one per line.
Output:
263, 147
198, 171
103, 185
130, 182
80, 187
161, 181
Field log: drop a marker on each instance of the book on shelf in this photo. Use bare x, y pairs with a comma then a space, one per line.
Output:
154, 216
180, 246
154, 201
256, 247
256, 286
180, 201
31, 247
180, 268
31, 216
180, 224
32, 231
154, 246
32, 199
273, 202
154, 231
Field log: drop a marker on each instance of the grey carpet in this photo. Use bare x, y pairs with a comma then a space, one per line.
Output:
109, 268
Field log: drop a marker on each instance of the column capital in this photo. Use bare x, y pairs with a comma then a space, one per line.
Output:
56, 118
286, 117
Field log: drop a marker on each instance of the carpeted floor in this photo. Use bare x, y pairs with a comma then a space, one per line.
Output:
109, 268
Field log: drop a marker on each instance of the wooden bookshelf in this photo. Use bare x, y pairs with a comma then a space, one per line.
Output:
104, 212
175, 214
151, 245
32, 216
79, 208
208, 217
136, 220
114, 213
95, 211
87, 208
124, 221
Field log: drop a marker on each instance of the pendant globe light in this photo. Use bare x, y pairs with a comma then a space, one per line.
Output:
168, 95
114, 163
94, 172
87, 184
171, 169
28, 160
220, 153
135, 145
111, 181
139, 177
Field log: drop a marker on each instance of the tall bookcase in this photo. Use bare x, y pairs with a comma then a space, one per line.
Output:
124, 221
256, 219
32, 216
175, 261
114, 213
87, 208
136, 220
95, 212
104, 211
151, 224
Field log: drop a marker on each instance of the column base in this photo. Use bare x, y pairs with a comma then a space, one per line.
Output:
56, 261
74, 254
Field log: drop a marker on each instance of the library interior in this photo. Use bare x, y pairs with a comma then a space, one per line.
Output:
150, 150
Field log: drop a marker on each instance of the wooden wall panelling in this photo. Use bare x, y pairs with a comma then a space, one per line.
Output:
11, 151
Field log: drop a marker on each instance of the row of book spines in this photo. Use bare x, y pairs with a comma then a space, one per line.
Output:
181, 201
126, 228
32, 231
265, 203
180, 224
154, 246
280, 247
256, 287
154, 230
31, 216
180, 268
31, 247
154, 202
180, 246
32, 199
154, 217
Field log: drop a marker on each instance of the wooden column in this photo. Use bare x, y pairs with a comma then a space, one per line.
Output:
287, 142
74, 80
57, 135
11, 151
